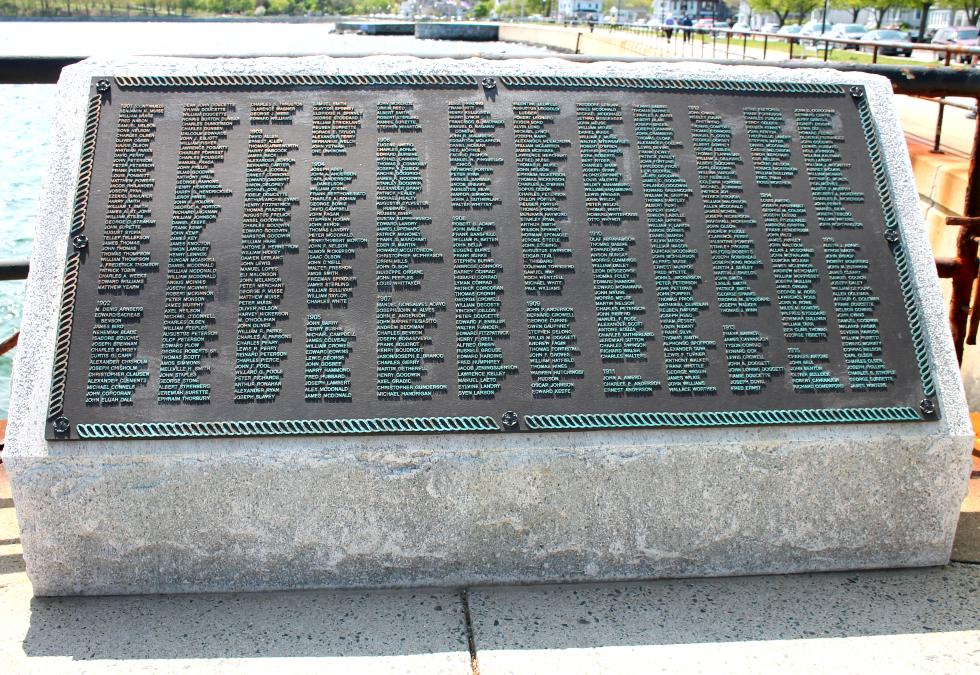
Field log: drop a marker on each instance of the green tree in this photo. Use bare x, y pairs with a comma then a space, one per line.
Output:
781, 8
281, 7
482, 9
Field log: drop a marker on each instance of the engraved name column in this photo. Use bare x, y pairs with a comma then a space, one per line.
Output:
803, 319
330, 275
476, 291
114, 370
676, 281
854, 300
402, 326
622, 337
540, 186
191, 274
265, 242
733, 258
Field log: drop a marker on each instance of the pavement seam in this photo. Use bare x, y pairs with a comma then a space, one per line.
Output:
464, 598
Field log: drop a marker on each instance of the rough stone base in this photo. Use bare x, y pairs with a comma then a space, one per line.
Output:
397, 516
261, 513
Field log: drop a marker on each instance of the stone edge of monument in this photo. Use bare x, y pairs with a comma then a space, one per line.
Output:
460, 509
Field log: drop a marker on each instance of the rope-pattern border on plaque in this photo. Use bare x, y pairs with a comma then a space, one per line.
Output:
198, 81
719, 419
287, 427
912, 309
60, 371
567, 81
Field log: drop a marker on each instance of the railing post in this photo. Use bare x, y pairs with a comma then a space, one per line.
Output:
826, 49
966, 265
939, 125
765, 46
791, 42
874, 54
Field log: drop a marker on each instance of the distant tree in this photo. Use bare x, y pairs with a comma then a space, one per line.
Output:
971, 7
781, 8
784, 9
482, 9
880, 8
803, 8
282, 7
924, 8
853, 6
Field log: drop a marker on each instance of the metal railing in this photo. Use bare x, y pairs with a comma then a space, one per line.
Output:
731, 38
922, 81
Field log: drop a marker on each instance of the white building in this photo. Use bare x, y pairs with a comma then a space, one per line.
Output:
579, 8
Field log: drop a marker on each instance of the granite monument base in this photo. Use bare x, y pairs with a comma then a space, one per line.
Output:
183, 515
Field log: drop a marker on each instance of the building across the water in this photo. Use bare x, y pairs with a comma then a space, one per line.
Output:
456, 9
582, 9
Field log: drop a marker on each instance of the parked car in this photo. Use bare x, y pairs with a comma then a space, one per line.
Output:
770, 28
741, 27
704, 23
813, 29
848, 31
887, 36
960, 36
790, 31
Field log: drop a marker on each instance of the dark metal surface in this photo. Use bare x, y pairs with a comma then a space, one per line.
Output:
14, 269
589, 404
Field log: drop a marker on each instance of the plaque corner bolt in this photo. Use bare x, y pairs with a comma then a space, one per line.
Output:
80, 242
892, 236
102, 86
509, 419
489, 83
927, 406
857, 92
61, 425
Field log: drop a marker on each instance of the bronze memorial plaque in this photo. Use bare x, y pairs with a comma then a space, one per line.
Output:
375, 254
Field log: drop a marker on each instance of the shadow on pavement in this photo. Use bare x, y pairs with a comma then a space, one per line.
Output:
966, 547
678, 612
284, 624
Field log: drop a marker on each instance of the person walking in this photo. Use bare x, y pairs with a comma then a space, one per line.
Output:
669, 27
686, 24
